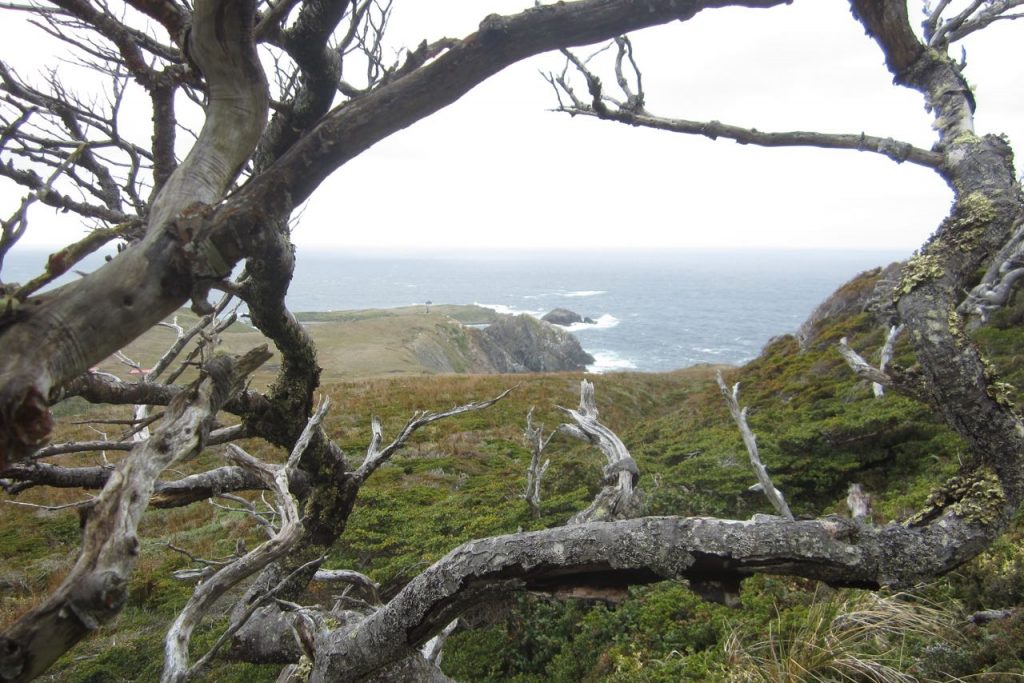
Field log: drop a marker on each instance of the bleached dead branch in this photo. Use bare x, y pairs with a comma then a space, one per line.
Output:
616, 499
535, 472
739, 416
176, 667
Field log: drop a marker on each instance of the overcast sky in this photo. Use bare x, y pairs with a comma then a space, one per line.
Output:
497, 169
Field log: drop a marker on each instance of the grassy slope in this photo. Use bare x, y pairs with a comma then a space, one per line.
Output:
818, 427
352, 344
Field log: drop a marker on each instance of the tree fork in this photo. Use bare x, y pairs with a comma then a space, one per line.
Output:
60, 334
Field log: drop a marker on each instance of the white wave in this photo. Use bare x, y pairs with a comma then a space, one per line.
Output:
585, 292
711, 352
608, 361
605, 322
508, 310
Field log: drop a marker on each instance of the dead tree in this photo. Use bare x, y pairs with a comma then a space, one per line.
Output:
185, 225
535, 472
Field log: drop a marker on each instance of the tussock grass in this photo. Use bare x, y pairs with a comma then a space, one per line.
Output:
843, 637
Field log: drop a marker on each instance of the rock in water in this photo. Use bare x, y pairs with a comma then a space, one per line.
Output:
565, 317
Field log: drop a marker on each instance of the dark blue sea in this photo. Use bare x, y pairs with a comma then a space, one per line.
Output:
654, 310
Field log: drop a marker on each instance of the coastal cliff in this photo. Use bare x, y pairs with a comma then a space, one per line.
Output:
524, 344
413, 340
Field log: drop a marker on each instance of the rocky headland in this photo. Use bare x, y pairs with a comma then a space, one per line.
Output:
413, 340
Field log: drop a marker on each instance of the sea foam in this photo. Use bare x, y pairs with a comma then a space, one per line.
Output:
608, 361
509, 310
605, 322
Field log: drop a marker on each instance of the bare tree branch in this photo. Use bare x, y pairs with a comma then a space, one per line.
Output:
535, 472
739, 416
630, 111
616, 500
861, 367
978, 15
885, 356
349, 576
377, 456
96, 588
176, 668
628, 552
237, 88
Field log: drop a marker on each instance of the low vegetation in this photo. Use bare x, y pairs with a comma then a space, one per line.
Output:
819, 429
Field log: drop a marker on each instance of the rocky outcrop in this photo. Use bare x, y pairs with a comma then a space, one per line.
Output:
524, 344
565, 317
450, 339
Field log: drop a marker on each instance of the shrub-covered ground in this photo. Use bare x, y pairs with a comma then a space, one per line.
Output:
819, 429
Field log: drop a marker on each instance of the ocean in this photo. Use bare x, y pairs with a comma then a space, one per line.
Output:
654, 311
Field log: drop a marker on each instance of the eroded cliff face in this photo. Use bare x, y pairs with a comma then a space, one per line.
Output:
524, 344
512, 344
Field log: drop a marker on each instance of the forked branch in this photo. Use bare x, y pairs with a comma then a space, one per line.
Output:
176, 667
629, 109
535, 472
616, 499
377, 456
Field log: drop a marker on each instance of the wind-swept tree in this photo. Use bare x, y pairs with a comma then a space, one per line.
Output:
186, 225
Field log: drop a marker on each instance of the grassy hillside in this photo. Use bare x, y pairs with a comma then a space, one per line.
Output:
819, 428
412, 340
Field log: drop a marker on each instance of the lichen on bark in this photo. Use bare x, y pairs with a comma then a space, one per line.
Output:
976, 497
920, 268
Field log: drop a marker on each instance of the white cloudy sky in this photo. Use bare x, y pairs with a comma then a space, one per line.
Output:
496, 169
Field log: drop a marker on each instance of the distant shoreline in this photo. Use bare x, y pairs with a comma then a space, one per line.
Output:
660, 310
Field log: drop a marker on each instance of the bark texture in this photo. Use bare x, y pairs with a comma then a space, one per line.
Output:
196, 230
95, 590
65, 332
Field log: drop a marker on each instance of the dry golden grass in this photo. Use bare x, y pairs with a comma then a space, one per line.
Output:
350, 344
